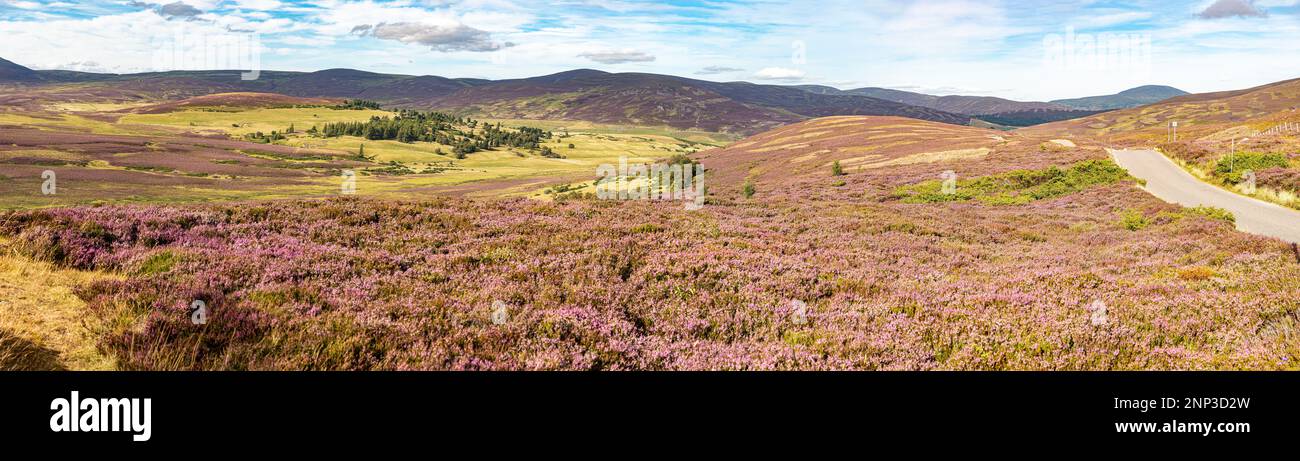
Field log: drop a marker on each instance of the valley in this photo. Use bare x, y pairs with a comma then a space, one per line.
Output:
330, 231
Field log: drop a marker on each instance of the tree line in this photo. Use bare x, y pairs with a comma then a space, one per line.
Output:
463, 134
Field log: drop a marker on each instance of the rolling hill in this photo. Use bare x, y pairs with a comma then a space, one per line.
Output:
234, 101
1013, 113
635, 98
1199, 115
859, 143
11, 72
586, 95
968, 105
1134, 97
995, 110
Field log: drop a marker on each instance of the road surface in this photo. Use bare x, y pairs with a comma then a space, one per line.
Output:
1171, 183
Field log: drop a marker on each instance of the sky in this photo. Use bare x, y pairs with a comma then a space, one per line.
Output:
1024, 50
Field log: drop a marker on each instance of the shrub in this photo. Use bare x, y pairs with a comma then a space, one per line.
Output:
1231, 169
157, 263
748, 190
836, 170
681, 159
1214, 213
1134, 220
1019, 187
1196, 273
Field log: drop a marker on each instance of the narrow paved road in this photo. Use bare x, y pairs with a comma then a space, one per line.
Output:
1170, 183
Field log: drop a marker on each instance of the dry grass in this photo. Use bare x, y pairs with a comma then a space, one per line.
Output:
932, 157
41, 320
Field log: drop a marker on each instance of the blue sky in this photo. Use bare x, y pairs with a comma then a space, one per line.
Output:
1029, 50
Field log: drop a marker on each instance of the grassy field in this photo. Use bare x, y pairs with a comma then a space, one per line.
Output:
243, 122
197, 155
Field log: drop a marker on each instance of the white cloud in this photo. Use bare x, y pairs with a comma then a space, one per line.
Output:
260, 5
439, 37
780, 74
713, 70
617, 56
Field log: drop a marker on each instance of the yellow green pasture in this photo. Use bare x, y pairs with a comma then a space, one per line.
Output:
425, 168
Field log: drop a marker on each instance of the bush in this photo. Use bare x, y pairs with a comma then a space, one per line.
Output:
1196, 273
1134, 220
1214, 213
680, 159
1231, 169
748, 190
836, 170
1019, 187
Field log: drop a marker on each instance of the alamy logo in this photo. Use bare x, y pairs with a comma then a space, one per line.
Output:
349, 186
949, 185
1248, 182
101, 415
199, 312
51, 184
651, 182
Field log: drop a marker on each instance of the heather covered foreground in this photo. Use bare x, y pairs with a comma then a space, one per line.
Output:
368, 284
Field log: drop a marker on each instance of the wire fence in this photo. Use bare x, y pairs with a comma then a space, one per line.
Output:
1285, 128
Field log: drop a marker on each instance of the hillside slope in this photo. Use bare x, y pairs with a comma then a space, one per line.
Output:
587, 95
1198, 115
665, 100
1133, 97
11, 72
806, 151
232, 101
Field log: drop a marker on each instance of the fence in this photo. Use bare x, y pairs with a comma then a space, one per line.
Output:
1289, 127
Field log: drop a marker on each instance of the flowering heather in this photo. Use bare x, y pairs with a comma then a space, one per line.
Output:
863, 282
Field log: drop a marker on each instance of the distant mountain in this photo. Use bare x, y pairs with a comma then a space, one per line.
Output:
584, 94
1134, 97
905, 97
1024, 118
966, 105
819, 89
1204, 115
651, 99
997, 111
10, 72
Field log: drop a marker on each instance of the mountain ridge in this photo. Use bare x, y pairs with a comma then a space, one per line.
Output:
597, 96
579, 94
12, 71
1132, 97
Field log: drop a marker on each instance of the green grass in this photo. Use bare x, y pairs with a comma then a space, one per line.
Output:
253, 120
1134, 220
1018, 187
1231, 168
1214, 213
393, 169
157, 263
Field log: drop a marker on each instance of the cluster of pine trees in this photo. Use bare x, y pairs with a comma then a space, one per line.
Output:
462, 134
358, 104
